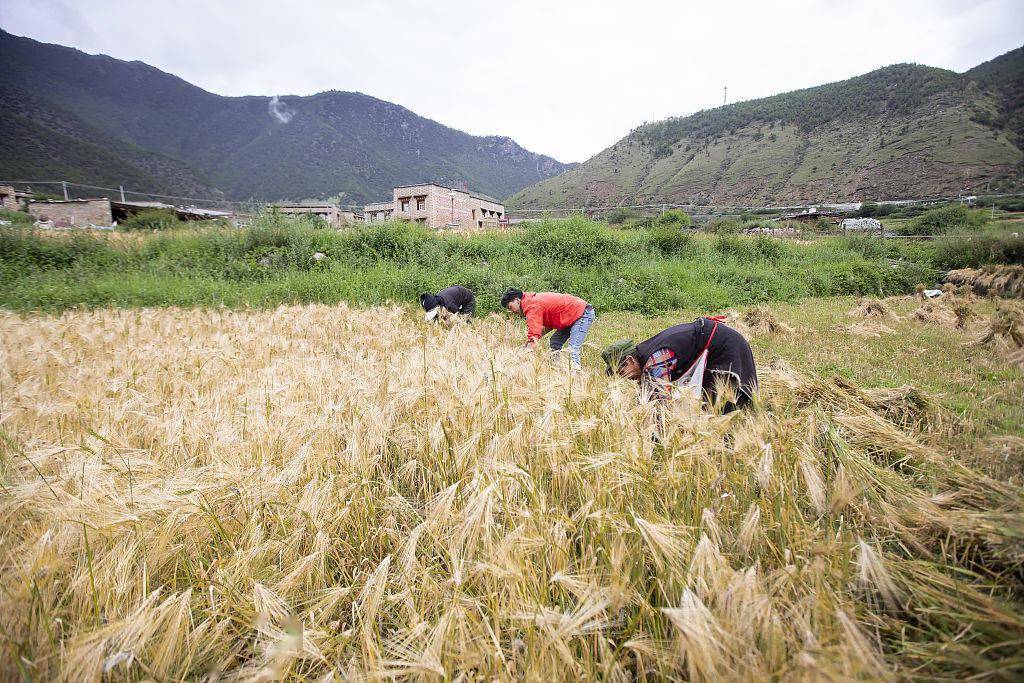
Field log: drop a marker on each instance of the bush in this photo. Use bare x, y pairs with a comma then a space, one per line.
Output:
945, 219
868, 245
151, 219
674, 217
972, 251
620, 216
867, 210
669, 241
575, 242
640, 223
1013, 204
16, 217
875, 210
23, 249
723, 225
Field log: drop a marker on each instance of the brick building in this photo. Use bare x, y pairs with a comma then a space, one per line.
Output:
73, 213
437, 206
378, 212
8, 198
333, 215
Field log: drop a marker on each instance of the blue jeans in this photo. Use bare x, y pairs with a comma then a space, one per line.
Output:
575, 335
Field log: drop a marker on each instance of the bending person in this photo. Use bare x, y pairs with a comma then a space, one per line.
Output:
664, 358
452, 304
569, 316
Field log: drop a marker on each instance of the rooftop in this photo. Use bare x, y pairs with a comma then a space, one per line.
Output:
303, 205
68, 201
471, 193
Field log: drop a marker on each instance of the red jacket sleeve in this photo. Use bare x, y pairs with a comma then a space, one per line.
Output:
534, 323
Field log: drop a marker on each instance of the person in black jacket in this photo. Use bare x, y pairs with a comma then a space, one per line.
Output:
451, 304
670, 354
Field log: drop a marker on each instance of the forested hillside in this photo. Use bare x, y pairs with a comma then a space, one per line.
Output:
340, 144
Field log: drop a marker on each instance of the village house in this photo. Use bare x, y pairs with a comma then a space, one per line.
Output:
378, 212
334, 216
437, 206
73, 213
8, 198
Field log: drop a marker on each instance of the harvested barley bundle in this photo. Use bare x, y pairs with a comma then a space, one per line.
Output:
760, 319
1005, 333
872, 308
1000, 280
934, 313
1005, 326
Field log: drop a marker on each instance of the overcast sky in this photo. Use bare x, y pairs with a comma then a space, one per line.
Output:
564, 78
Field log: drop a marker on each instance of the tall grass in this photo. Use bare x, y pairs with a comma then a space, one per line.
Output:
650, 270
306, 492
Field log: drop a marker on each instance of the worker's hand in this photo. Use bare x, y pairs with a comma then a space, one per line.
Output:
531, 345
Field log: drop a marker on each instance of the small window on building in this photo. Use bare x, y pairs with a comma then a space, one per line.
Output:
404, 204
421, 203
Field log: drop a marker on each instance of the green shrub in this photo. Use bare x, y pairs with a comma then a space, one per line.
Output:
867, 210
620, 216
868, 245
574, 241
971, 251
674, 217
945, 219
670, 241
723, 225
640, 223
151, 219
24, 250
769, 248
16, 217
729, 244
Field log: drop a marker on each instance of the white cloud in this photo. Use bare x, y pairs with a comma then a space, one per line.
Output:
563, 78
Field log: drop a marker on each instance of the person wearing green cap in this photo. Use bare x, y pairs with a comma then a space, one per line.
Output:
664, 358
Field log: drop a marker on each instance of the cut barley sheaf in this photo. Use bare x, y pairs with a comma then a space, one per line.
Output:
329, 493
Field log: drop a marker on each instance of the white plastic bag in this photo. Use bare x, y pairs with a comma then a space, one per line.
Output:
689, 388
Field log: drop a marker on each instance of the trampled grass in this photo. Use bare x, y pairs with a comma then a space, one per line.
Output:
306, 492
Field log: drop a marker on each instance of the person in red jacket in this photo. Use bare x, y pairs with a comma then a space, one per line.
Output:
569, 316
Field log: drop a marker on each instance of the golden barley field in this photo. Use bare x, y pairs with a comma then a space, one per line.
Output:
330, 493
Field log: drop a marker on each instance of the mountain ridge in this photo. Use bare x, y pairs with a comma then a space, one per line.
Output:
336, 143
901, 130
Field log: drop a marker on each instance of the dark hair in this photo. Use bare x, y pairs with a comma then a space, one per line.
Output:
429, 301
510, 295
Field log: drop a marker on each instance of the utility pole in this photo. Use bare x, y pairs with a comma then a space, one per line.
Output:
64, 186
725, 94
121, 187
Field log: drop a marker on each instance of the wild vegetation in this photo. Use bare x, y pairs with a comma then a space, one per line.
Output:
945, 219
646, 270
289, 493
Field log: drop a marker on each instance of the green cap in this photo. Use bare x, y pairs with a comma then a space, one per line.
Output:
614, 354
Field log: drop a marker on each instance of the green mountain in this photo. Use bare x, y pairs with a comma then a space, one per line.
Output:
329, 144
43, 142
901, 131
